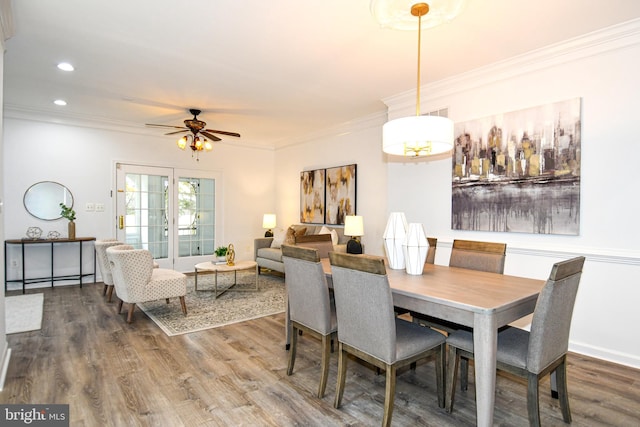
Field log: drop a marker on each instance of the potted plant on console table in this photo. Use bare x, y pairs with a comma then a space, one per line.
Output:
69, 214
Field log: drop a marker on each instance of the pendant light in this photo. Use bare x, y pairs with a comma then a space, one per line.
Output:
418, 135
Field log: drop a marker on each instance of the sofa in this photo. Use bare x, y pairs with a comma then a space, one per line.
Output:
325, 238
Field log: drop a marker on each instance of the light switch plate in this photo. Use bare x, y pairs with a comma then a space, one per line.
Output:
89, 207
99, 207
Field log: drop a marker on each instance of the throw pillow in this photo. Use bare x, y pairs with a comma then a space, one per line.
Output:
278, 238
290, 238
333, 232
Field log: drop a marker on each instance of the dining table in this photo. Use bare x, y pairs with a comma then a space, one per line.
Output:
477, 299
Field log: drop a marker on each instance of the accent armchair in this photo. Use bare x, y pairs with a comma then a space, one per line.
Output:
136, 280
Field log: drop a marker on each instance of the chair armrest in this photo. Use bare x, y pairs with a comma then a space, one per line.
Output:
259, 243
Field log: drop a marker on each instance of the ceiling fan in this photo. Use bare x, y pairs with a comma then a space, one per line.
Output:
196, 143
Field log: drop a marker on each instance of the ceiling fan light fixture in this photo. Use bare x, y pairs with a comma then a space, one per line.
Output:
207, 145
182, 142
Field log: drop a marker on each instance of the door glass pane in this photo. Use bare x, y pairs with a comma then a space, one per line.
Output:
146, 213
196, 216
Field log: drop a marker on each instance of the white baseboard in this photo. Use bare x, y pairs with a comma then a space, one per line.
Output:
606, 354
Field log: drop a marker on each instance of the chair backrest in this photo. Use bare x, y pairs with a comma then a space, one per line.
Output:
131, 269
101, 246
551, 324
364, 304
481, 256
431, 253
307, 289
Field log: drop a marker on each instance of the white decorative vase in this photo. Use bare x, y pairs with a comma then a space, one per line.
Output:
394, 237
415, 248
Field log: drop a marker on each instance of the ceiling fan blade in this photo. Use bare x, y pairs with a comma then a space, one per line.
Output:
164, 126
223, 132
178, 131
210, 136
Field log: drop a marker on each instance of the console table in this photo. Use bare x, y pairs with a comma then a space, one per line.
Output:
24, 243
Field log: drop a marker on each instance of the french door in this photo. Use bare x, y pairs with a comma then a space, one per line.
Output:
170, 212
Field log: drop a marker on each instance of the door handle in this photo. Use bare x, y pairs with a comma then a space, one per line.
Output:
121, 222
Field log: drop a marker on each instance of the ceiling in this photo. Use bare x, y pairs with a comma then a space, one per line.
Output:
275, 71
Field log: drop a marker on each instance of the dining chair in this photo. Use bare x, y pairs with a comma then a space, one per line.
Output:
369, 330
472, 255
532, 355
101, 246
310, 308
136, 280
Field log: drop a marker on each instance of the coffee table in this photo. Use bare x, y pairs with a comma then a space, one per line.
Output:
212, 267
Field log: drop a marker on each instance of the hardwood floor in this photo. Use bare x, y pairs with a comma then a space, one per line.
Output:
115, 374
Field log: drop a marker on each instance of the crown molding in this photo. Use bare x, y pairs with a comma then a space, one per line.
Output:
596, 43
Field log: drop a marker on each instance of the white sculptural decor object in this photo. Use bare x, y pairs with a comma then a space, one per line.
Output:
415, 248
394, 237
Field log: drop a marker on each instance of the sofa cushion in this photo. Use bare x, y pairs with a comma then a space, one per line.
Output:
274, 254
278, 238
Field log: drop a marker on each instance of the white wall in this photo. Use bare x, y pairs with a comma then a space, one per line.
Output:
83, 159
357, 142
602, 69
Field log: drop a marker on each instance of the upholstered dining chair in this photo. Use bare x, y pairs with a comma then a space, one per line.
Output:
369, 329
310, 308
533, 354
473, 255
136, 280
101, 246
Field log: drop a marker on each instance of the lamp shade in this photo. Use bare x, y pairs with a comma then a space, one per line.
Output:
394, 236
353, 225
417, 136
269, 220
415, 249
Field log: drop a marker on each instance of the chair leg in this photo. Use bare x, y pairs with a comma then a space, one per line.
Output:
464, 374
183, 305
292, 351
167, 299
120, 306
326, 355
104, 289
132, 306
452, 375
563, 394
109, 293
532, 400
440, 365
389, 395
342, 374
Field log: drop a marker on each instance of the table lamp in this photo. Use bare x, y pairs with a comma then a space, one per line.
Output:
269, 222
354, 227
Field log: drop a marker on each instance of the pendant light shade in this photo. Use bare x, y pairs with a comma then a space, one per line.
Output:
417, 136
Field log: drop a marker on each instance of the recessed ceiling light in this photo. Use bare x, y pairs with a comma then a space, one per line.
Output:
65, 66
60, 102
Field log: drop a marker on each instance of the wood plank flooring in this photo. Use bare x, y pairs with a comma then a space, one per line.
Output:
115, 374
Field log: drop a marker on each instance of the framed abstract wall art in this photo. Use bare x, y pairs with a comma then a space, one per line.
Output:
312, 191
519, 171
341, 193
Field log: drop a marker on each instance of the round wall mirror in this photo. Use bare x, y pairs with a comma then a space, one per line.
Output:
43, 199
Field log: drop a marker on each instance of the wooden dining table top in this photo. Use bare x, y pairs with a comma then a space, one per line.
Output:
472, 290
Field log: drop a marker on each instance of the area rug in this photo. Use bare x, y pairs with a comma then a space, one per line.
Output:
23, 313
204, 311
